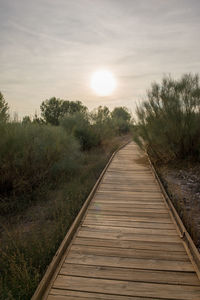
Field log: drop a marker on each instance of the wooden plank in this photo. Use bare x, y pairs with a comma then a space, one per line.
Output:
129, 187
164, 291
62, 297
133, 214
129, 171
134, 197
115, 222
128, 236
127, 205
132, 253
127, 262
127, 184
161, 211
132, 202
146, 245
124, 230
134, 176
61, 294
136, 193
127, 178
127, 274
138, 188
152, 218
124, 185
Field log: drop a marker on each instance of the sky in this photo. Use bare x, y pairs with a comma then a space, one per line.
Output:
52, 47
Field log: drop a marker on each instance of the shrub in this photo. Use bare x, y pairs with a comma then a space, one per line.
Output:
25, 254
4, 115
102, 123
32, 154
121, 119
168, 121
78, 125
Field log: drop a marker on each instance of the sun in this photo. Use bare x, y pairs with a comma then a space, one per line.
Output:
103, 82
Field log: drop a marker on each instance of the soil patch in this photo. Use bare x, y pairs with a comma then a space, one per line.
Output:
182, 182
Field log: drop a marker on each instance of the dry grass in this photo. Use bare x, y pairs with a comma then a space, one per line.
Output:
30, 239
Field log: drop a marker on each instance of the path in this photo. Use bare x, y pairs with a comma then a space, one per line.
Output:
127, 246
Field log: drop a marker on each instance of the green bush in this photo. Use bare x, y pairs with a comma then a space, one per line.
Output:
4, 115
168, 121
25, 255
121, 119
32, 154
79, 126
102, 123
44, 180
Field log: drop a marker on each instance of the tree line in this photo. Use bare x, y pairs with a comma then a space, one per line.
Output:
42, 149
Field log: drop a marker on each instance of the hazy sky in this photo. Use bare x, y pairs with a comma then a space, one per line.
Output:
51, 48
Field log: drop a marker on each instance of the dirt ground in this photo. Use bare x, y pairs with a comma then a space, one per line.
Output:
182, 182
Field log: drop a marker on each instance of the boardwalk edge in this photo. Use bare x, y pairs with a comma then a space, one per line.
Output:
45, 281
188, 242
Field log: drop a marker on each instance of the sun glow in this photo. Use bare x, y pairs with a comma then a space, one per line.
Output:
103, 82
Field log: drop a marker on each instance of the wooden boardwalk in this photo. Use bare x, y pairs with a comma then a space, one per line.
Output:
127, 245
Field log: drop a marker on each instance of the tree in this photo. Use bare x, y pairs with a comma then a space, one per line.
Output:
53, 109
78, 125
101, 115
4, 115
71, 107
37, 119
101, 122
121, 119
121, 113
26, 120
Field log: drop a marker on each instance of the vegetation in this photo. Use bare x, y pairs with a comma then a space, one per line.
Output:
121, 118
168, 128
31, 155
168, 121
3, 109
54, 109
48, 166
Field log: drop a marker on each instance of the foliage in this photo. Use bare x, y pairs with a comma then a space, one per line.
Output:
33, 154
44, 180
102, 123
121, 113
168, 121
78, 125
24, 256
4, 115
101, 115
121, 119
36, 120
54, 109
26, 120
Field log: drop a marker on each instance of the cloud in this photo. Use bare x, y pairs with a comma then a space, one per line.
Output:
51, 47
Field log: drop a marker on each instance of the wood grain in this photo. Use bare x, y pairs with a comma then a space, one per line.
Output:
127, 245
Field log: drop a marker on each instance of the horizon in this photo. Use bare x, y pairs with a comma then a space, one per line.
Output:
52, 49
